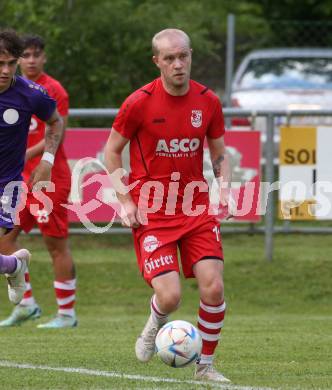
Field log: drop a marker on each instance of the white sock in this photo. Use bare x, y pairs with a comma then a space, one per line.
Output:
158, 316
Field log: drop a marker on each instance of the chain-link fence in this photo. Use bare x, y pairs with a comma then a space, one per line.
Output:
281, 66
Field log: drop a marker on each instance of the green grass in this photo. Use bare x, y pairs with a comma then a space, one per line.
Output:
277, 331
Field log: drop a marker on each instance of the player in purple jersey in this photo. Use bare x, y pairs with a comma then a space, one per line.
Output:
19, 100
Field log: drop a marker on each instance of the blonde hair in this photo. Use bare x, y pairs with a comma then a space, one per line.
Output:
168, 33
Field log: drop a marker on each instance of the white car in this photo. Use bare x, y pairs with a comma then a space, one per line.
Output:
284, 79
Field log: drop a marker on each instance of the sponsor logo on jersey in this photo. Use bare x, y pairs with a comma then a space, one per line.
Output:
196, 118
177, 147
150, 243
10, 116
38, 88
161, 261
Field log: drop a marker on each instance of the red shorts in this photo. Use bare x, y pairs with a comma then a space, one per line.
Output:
157, 244
54, 223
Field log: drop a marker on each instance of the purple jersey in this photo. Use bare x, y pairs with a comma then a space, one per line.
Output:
17, 104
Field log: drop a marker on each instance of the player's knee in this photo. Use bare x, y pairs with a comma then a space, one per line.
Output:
58, 250
7, 244
54, 252
169, 301
214, 292
59, 255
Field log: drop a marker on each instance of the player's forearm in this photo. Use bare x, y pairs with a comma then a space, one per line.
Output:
53, 134
221, 169
220, 161
113, 162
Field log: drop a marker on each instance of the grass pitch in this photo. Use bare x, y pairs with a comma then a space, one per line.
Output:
277, 330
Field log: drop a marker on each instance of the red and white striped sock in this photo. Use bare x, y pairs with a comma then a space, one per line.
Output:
210, 322
28, 298
65, 296
158, 316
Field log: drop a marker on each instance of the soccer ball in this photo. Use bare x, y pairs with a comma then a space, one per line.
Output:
178, 343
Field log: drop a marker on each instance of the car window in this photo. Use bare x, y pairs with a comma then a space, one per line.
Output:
283, 73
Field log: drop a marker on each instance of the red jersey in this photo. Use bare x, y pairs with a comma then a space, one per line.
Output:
167, 135
60, 170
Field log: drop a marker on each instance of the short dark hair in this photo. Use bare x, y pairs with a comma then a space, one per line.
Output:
11, 43
33, 40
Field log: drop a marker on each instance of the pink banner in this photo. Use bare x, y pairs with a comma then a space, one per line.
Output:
244, 149
96, 200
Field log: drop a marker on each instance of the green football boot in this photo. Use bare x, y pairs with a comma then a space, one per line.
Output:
21, 314
60, 321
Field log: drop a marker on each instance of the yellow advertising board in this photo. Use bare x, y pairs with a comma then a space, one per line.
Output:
305, 173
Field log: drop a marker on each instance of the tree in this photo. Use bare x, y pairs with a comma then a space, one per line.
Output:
101, 50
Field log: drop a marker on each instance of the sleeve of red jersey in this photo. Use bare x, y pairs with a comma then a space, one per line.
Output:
128, 118
62, 100
216, 128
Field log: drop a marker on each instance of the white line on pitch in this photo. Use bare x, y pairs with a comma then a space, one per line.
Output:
110, 374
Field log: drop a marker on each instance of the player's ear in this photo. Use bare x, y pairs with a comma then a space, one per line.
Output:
155, 60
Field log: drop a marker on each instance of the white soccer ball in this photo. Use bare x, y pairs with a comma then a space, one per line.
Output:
178, 343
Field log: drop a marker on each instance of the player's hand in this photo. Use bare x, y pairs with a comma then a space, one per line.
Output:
40, 176
130, 214
227, 200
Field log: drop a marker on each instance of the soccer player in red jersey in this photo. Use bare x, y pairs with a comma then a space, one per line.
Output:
54, 225
166, 123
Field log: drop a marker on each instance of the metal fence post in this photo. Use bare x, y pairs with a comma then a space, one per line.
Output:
269, 177
229, 58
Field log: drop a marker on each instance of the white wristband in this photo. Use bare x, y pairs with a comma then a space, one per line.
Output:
49, 157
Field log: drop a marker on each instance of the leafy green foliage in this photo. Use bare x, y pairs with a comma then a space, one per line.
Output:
100, 50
